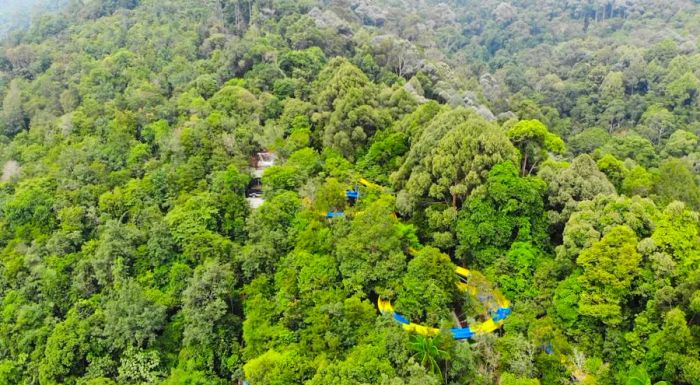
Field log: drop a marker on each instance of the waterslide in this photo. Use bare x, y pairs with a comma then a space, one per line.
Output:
352, 196
470, 282
499, 309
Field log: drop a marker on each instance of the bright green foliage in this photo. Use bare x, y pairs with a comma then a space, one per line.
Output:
282, 178
674, 181
512, 379
274, 368
599, 215
428, 287
188, 377
194, 226
450, 158
138, 366
233, 99
683, 92
384, 155
614, 169
638, 376
671, 352
588, 140
371, 255
9, 372
331, 196
351, 115
365, 364
609, 267
13, 116
507, 208
428, 352
516, 271
632, 146
638, 181
681, 143
659, 122
205, 302
582, 180
129, 253
534, 141
66, 346
269, 234
565, 301
30, 209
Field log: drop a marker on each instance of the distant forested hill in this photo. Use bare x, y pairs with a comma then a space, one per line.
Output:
550, 147
17, 14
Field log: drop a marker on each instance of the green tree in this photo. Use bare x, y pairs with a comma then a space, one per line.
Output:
684, 91
450, 158
351, 115
429, 287
639, 376
609, 268
428, 353
672, 351
506, 209
614, 169
534, 141
371, 254
194, 225
588, 140
659, 121
14, 118
131, 318
638, 181
674, 181
139, 366
568, 185
206, 301
274, 368
681, 143
632, 146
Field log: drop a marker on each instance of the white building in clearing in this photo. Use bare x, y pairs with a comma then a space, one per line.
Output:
260, 162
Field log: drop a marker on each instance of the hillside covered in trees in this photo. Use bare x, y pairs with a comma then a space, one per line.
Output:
551, 146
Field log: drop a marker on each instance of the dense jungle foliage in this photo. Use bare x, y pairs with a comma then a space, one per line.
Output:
551, 145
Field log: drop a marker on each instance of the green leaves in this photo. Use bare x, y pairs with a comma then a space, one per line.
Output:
429, 288
507, 208
276, 368
534, 141
128, 253
206, 300
450, 158
638, 376
609, 267
428, 352
132, 318
29, 211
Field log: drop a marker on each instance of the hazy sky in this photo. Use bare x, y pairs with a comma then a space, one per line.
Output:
14, 14
16, 4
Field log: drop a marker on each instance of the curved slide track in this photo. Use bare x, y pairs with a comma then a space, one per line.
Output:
498, 306
498, 314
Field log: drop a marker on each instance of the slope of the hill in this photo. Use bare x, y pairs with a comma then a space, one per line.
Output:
550, 145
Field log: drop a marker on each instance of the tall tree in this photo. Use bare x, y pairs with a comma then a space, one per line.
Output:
609, 268
534, 141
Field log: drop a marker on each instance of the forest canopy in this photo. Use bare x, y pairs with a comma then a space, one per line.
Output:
551, 147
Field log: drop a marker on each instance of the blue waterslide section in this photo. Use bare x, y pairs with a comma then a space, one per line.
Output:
401, 319
462, 333
502, 313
